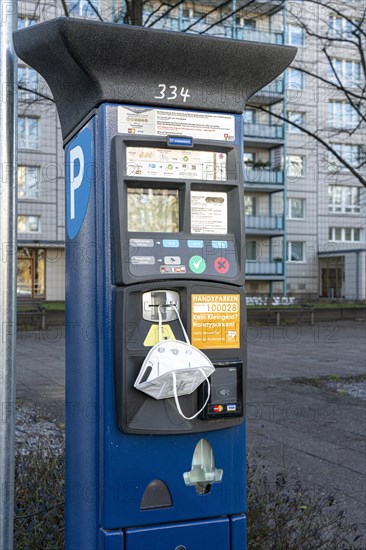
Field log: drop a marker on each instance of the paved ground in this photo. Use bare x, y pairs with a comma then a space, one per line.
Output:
292, 424
40, 364
304, 428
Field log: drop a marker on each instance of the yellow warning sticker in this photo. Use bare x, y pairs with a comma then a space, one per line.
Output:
216, 321
152, 337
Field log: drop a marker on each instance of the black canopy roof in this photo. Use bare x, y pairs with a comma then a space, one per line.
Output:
87, 63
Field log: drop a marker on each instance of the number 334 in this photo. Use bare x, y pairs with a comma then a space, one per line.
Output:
172, 93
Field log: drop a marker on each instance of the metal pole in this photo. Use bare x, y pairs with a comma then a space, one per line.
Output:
8, 257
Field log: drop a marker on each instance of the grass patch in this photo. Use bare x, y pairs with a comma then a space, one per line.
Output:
320, 381
48, 306
338, 305
285, 515
54, 306
309, 305
39, 500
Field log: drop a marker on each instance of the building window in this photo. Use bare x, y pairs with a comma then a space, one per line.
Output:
28, 182
295, 35
250, 204
25, 21
341, 114
345, 200
295, 79
172, 23
348, 72
350, 153
249, 159
345, 234
251, 251
29, 224
84, 8
249, 116
340, 27
249, 24
27, 78
295, 209
295, 165
295, 251
27, 132
297, 118
31, 273
196, 12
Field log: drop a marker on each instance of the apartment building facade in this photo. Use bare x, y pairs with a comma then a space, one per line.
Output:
41, 189
325, 202
305, 216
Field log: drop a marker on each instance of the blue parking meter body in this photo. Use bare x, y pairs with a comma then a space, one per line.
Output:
154, 243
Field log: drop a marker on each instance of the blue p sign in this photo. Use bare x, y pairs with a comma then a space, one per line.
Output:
79, 174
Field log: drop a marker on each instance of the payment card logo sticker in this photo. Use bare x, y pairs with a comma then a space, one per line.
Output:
79, 174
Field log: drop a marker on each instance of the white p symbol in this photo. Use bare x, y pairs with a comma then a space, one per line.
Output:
75, 181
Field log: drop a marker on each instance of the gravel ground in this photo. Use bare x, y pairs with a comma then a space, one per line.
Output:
355, 389
32, 432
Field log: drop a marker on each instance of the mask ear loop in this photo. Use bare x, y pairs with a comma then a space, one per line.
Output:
177, 400
160, 333
174, 376
181, 323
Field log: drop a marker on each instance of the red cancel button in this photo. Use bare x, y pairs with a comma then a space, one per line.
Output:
221, 265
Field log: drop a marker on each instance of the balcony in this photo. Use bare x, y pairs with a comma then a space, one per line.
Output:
270, 94
265, 8
264, 225
263, 135
263, 179
259, 36
270, 271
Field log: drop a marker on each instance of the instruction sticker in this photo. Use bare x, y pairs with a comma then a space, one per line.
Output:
152, 337
215, 321
151, 162
208, 212
164, 122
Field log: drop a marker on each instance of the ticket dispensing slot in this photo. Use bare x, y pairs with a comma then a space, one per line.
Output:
162, 299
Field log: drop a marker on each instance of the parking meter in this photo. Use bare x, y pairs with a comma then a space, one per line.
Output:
153, 130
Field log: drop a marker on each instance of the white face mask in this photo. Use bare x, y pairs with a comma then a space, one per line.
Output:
174, 368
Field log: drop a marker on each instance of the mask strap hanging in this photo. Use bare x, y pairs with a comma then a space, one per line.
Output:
160, 333
177, 400
175, 393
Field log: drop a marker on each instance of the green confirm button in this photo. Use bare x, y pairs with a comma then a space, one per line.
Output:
197, 264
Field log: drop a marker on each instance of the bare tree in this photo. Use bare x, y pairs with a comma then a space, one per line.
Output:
328, 25
333, 30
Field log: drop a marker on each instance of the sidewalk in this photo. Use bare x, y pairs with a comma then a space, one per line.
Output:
292, 423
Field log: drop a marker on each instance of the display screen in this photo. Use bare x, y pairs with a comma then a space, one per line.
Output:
149, 162
224, 385
153, 210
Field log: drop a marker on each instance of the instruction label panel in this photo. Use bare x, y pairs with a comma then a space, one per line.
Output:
209, 212
164, 122
151, 162
215, 321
